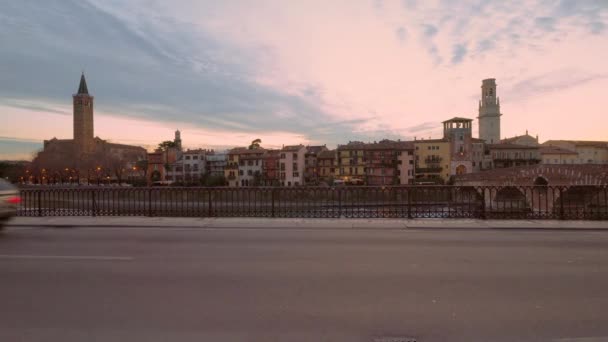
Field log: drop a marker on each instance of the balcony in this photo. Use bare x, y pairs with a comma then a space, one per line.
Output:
435, 169
430, 160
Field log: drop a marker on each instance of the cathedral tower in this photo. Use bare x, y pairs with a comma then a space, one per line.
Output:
489, 112
83, 118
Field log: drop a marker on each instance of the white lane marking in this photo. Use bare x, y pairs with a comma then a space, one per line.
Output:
67, 257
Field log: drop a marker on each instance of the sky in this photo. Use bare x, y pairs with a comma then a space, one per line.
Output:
302, 71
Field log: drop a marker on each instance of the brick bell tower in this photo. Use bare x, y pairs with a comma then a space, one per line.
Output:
83, 118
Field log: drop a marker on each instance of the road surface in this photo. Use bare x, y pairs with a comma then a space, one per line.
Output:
155, 284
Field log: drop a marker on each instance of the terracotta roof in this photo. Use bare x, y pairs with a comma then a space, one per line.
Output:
380, 145
329, 154
430, 141
555, 150
581, 143
508, 146
245, 150
509, 140
315, 149
292, 148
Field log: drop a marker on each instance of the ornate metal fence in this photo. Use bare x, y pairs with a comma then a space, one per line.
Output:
511, 202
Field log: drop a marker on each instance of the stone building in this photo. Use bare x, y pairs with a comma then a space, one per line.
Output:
350, 163
86, 155
215, 163
589, 152
489, 112
311, 169
432, 160
291, 169
466, 152
511, 155
270, 168
557, 155
525, 139
326, 161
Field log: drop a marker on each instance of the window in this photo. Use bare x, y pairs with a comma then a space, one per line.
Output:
282, 155
256, 163
295, 156
195, 157
429, 148
240, 172
250, 162
296, 174
282, 166
411, 162
187, 157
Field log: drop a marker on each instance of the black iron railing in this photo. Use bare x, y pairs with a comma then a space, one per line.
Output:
511, 202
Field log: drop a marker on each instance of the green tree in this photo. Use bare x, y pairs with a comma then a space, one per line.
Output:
255, 144
165, 145
142, 167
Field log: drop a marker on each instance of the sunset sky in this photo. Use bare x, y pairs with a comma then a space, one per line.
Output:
299, 71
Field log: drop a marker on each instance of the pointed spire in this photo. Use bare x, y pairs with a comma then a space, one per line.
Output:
82, 88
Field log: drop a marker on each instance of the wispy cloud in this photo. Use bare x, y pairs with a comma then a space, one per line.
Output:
459, 51
401, 33
552, 82
545, 23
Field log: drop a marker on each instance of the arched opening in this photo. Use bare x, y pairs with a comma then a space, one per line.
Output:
511, 200
578, 202
155, 176
541, 181
461, 170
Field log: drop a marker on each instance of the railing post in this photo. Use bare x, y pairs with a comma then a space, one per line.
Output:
209, 205
39, 203
561, 204
93, 204
483, 203
150, 202
409, 203
339, 202
272, 198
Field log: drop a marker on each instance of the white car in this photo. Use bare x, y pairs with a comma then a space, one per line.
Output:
9, 201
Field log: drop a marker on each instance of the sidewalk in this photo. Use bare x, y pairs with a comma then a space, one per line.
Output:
299, 223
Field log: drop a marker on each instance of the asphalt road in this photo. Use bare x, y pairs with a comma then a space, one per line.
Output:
138, 284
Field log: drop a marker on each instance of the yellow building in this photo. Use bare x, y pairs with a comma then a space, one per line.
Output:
558, 155
432, 160
326, 160
231, 171
350, 162
589, 152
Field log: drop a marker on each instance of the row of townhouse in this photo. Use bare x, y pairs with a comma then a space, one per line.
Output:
384, 163
430, 161
289, 166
